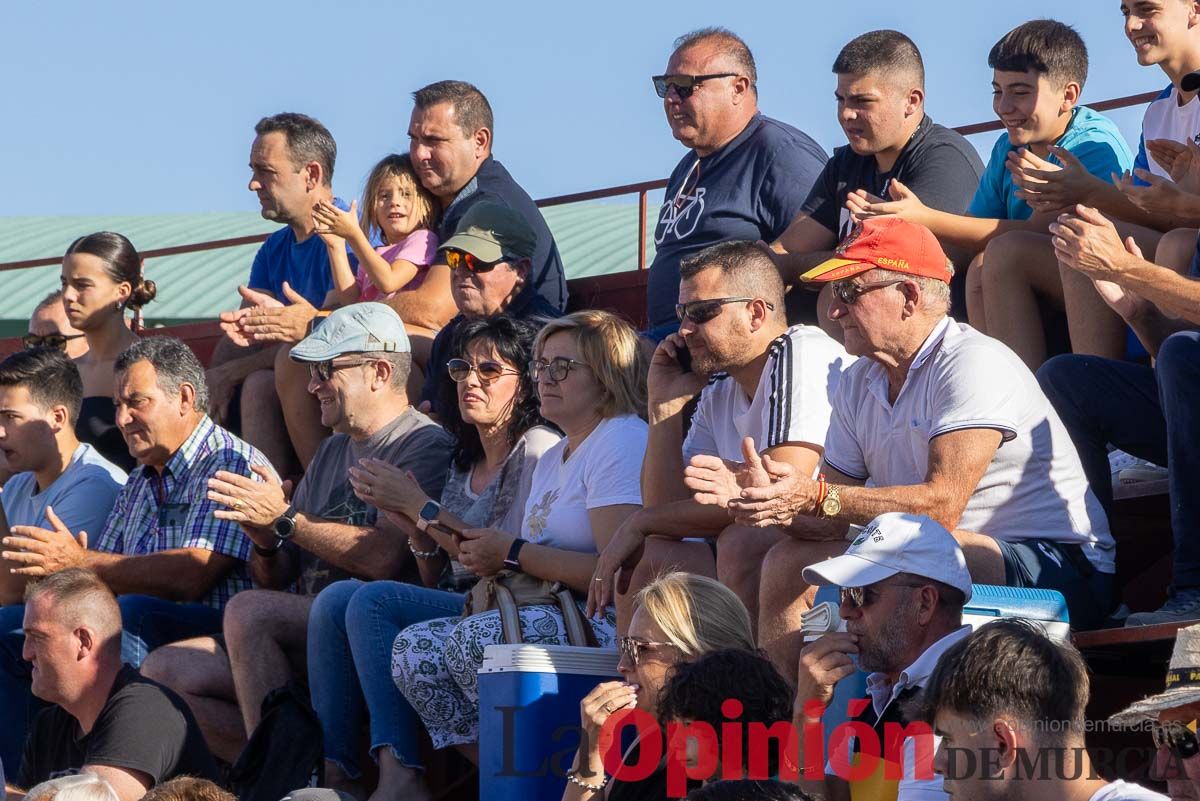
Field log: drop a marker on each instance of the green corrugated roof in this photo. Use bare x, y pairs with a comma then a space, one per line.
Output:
594, 238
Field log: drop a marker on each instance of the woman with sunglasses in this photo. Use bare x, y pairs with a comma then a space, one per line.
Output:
591, 376
678, 618
493, 413
101, 279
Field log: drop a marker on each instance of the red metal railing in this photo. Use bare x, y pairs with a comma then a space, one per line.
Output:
642, 189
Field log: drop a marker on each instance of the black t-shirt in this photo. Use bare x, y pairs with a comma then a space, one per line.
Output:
143, 727
750, 189
492, 182
525, 307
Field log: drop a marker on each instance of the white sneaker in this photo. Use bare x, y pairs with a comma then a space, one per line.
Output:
1127, 469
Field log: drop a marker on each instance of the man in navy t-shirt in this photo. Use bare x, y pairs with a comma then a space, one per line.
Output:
291, 163
450, 143
881, 108
746, 176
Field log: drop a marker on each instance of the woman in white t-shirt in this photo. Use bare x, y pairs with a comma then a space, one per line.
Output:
591, 376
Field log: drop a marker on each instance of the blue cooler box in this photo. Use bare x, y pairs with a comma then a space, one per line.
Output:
988, 602
529, 716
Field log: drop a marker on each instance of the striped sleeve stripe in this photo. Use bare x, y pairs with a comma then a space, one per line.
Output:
779, 419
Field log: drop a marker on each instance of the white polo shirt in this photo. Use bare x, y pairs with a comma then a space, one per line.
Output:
792, 402
1034, 488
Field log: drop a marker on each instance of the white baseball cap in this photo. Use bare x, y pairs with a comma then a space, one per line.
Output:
896, 543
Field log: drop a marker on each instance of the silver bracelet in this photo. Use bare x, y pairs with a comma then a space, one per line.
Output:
437, 549
574, 779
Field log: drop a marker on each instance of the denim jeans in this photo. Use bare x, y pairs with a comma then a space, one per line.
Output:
350, 633
148, 623
1151, 413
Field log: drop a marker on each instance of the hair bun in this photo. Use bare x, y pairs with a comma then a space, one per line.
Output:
142, 294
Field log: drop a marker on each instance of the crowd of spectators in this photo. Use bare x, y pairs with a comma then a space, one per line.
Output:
402, 426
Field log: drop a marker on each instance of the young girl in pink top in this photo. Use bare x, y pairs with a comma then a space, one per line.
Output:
397, 208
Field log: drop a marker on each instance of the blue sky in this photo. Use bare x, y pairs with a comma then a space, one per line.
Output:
148, 107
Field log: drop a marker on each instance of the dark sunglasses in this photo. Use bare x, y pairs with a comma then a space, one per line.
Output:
55, 341
555, 369
460, 258
849, 292
701, 311
862, 597
325, 370
1176, 737
631, 648
459, 370
684, 85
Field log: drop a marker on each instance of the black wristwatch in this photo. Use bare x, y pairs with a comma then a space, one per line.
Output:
285, 525
514, 551
428, 515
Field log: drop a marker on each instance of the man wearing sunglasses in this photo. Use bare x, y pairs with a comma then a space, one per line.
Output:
50, 328
903, 583
757, 378
1172, 716
881, 109
937, 419
1007, 705
490, 259
745, 176
358, 363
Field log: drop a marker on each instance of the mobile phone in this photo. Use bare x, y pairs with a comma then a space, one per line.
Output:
684, 357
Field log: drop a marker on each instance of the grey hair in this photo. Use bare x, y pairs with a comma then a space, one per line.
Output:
401, 366
307, 140
77, 787
935, 294
729, 45
174, 363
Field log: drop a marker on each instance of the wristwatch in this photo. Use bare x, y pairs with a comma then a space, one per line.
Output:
832, 504
514, 551
428, 515
285, 525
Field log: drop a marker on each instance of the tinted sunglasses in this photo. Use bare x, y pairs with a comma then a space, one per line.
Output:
55, 341
631, 648
459, 370
684, 85
325, 370
862, 597
849, 292
1175, 737
555, 369
701, 311
460, 258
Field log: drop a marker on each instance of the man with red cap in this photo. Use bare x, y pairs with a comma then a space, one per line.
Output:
934, 419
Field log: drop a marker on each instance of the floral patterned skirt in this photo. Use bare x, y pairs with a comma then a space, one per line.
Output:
436, 664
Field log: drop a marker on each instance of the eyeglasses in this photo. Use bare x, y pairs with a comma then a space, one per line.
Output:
1176, 737
701, 311
474, 264
684, 85
862, 597
849, 292
631, 648
555, 370
325, 370
460, 370
55, 341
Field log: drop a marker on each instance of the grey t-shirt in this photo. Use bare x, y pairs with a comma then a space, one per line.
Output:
411, 442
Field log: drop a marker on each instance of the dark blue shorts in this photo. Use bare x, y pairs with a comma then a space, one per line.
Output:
1049, 565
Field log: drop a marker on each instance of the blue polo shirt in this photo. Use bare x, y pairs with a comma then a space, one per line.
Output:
304, 265
1090, 137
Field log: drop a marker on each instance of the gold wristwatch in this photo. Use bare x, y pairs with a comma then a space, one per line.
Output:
831, 505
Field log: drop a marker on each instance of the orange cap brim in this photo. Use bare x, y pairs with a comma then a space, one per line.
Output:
836, 270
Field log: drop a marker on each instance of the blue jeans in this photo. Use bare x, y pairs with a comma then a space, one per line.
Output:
350, 633
1148, 412
148, 623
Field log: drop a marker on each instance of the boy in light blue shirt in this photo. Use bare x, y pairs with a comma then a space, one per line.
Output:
1038, 72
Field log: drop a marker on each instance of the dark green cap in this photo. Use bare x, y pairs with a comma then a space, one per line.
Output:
493, 232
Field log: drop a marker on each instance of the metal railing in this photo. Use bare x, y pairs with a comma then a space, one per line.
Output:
642, 190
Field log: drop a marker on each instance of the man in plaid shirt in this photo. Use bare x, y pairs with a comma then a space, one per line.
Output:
172, 563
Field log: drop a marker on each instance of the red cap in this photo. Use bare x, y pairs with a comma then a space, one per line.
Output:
886, 243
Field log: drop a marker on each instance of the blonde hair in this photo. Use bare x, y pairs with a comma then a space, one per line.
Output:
187, 788
81, 598
610, 347
697, 614
76, 787
425, 207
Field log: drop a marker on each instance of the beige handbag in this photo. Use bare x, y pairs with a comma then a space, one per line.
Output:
509, 590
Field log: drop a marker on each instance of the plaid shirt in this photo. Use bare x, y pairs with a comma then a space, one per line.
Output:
169, 510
